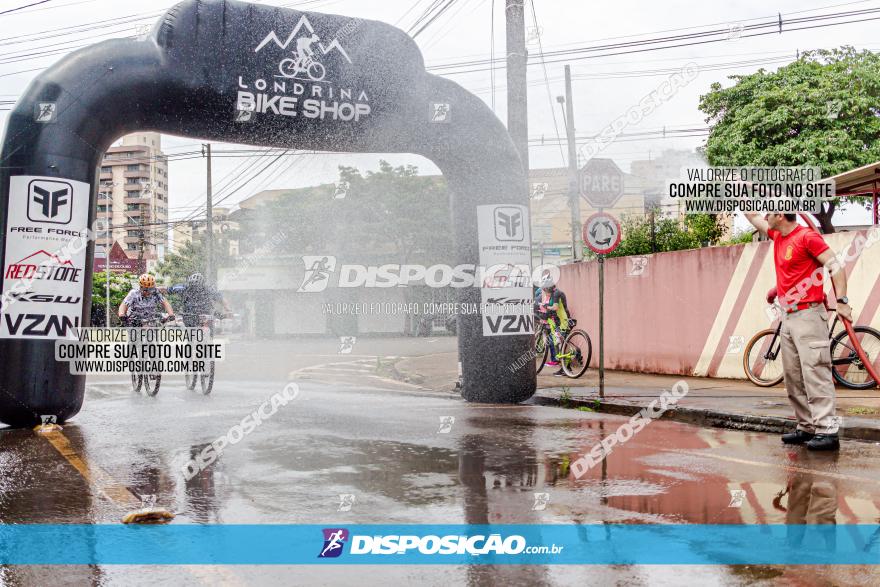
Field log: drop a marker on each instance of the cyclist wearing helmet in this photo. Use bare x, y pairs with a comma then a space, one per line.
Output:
553, 305
198, 299
143, 302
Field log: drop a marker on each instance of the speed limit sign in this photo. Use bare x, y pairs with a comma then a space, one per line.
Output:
602, 233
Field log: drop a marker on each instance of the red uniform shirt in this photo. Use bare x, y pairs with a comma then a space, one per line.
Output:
795, 257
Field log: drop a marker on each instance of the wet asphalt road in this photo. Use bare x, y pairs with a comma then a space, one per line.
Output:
404, 459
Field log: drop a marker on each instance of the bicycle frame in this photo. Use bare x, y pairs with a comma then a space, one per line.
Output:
771, 355
846, 323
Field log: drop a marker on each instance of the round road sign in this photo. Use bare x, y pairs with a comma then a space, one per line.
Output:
602, 233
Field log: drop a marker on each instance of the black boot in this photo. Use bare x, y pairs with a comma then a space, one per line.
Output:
824, 442
797, 437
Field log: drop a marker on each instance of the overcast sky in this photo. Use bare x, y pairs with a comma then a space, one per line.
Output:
464, 32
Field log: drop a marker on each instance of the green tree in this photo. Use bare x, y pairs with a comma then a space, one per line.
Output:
669, 234
390, 212
120, 285
822, 110
191, 258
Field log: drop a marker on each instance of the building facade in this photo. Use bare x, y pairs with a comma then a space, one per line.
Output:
133, 197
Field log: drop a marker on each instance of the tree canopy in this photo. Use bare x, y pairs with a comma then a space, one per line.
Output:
820, 110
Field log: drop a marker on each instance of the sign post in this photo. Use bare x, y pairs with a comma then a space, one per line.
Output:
602, 235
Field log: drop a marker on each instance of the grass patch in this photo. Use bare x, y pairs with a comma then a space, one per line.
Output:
862, 411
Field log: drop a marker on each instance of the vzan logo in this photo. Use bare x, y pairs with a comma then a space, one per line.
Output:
50, 201
300, 87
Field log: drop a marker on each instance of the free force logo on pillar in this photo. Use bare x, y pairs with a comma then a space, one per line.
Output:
50, 201
45, 260
509, 223
505, 249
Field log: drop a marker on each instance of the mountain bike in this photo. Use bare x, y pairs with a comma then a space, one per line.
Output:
291, 67
149, 381
574, 352
205, 378
762, 359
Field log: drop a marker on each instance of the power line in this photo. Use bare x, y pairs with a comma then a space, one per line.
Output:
547, 81
436, 15
660, 43
23, 7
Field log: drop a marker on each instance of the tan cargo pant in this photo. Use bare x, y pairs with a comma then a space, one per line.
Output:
806, 362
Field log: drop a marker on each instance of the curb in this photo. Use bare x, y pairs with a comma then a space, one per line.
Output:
854, 428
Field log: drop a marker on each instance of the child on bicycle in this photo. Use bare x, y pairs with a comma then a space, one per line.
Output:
553, 306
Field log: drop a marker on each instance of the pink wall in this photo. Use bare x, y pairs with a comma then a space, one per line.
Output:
658, 322
691, 312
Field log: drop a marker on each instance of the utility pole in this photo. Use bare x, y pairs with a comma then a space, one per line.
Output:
574, 198
209, 224
517, 104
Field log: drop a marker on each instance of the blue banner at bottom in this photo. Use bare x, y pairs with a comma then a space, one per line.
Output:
456, 544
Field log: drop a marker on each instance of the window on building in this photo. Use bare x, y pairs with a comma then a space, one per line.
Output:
133, 167
106, 169
132, 246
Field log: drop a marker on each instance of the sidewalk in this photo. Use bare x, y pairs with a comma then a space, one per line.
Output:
717, 403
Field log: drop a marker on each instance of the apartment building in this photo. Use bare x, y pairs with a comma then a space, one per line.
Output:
133, 197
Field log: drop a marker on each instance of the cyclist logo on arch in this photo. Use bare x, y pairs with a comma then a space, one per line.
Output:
303, 60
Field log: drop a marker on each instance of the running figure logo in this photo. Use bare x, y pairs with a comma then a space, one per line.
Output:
737, 496
440, 112
346, 502
334, 540
346, 344
45, 112
318, 270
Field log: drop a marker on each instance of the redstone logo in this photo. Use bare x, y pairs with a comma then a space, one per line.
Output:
43, 266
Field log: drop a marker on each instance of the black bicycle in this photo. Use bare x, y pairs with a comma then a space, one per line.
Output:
148, 381
573, 352
762, 360
205, 379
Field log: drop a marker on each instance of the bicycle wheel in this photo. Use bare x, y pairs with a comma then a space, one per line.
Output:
577, 350
151, 384
287, 67
208, 379
846, 366
135, 383
762, 360
541, 350
190, 380
316, 71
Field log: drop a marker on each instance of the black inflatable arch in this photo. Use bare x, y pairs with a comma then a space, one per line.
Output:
223, 70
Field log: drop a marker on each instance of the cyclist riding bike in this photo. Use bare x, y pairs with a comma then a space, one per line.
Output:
142, 303
198, 298
304, 51
553, 305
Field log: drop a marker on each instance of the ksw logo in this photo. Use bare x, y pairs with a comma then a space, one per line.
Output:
510, 324
49, 201
40, 324
305, 63
509, 224
29, 296
334, 541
